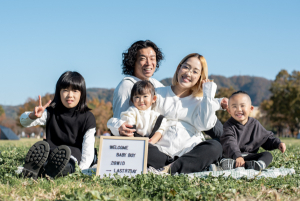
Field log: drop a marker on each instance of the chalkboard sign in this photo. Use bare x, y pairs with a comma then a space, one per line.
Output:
122, 155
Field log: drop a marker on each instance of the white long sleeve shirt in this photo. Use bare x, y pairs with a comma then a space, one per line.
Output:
87, 144
121, 100
187, 117
143, 119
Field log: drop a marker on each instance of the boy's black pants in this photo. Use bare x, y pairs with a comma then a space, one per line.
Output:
197, 160
263, 156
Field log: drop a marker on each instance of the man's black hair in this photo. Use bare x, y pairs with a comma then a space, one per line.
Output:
130, 56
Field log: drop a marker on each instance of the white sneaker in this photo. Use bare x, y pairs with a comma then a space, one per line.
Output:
160, 171
214, 167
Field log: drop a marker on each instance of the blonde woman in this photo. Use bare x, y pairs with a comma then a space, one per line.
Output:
190, 106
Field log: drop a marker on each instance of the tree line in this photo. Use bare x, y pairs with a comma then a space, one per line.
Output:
102, 111
278, 112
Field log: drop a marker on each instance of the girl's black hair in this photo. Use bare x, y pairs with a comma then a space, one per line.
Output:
142, 87
129, 57
74, 80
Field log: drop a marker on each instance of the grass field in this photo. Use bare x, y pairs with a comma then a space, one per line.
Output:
145, 187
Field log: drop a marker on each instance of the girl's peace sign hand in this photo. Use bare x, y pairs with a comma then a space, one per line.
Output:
38, 111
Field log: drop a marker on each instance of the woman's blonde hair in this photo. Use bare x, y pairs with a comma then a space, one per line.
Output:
197, 88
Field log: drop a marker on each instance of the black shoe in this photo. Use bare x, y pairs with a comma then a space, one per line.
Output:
35, 158
57, 160
253, 165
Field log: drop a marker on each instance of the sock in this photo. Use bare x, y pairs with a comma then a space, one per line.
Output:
73, 158
262, 164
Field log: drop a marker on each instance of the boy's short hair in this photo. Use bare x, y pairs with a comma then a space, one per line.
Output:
239, 92
142, 87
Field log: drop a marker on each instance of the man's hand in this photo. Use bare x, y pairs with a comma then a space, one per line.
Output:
125, 130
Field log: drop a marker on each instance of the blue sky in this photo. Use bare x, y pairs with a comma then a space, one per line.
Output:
42, 39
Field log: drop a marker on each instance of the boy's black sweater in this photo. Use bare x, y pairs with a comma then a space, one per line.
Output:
238, 138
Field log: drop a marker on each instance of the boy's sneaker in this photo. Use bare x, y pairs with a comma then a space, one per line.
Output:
35, 158
214, 167
57, 161
227, 164
253, 165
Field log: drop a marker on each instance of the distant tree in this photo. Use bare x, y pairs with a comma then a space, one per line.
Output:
102, 112
294, 98
2, 113
10, 123
223, 116
264, 117
283, 109
1, 110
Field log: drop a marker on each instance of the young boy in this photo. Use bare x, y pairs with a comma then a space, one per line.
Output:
243, 135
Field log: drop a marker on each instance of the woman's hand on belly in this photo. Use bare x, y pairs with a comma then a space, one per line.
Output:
125, 130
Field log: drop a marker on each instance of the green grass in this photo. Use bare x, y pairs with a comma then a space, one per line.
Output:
291, 141
145, 187
28, 142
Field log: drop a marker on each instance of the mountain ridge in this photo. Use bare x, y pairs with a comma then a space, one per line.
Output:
256, 87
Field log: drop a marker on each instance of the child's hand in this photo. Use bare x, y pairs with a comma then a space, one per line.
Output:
38, 111
282, 147
155, 138
240, 162
224, 103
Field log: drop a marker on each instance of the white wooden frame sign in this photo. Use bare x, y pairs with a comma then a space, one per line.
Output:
122, 155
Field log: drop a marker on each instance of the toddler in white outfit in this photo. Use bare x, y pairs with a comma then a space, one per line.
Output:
148, 123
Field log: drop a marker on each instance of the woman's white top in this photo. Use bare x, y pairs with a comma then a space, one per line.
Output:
143, 119
88, 143
187, 117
